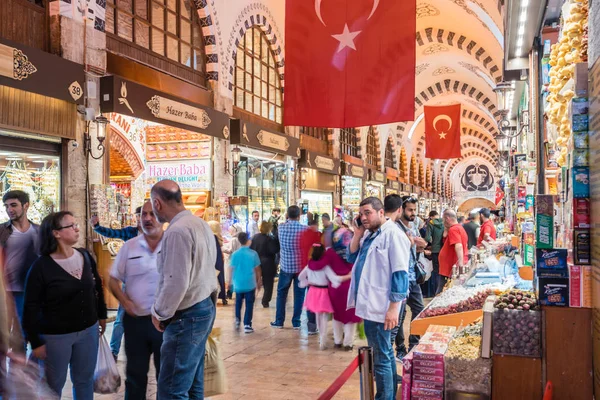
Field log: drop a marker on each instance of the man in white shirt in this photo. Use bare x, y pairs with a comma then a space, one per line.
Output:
253, 224
136, 265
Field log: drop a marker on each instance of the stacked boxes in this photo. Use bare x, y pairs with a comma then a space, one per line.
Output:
552, 277
427, 380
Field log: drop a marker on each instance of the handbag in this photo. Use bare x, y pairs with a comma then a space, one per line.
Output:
420, 274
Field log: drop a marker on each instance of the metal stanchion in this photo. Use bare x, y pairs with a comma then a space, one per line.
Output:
365, 355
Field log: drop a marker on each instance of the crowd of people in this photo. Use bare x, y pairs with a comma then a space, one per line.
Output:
168, 282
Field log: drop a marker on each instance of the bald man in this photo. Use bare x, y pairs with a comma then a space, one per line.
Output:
454, 251
185, 302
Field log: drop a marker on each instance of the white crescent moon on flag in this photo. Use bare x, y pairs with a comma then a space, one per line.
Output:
318, 11
375, 5
442, 117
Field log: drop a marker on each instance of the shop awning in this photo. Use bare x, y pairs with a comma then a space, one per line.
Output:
246, 133
36, 71
125, 97
319, 162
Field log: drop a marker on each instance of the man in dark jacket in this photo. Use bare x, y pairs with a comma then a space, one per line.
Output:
472, 229
434, 236
19, 244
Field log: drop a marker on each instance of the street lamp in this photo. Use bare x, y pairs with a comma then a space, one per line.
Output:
101, 125
504, 99
236, 154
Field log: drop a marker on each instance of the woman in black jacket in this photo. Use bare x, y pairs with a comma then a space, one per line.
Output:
267, 248
64, 307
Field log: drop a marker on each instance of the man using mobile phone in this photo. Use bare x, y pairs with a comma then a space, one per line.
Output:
380, 252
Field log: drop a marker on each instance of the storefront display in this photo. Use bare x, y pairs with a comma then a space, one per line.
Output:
318, 202
36, 174
319, 177
374, 187
393, 187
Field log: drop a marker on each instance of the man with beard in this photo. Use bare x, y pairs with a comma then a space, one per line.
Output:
406, 222
20, 247
380, 252
184, 308
488, 230
136, 266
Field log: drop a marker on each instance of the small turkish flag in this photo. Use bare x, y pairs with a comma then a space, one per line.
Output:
499, 194
442, 132
349, 63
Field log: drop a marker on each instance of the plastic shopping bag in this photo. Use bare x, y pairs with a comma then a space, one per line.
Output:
106, 375
427, 265
214, 369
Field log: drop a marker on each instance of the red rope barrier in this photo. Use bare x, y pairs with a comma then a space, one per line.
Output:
340, 380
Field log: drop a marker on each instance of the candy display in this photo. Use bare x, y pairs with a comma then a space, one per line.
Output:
472, 303
466, 371
517, 329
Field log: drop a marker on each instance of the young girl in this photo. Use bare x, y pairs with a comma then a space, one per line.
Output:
317, 299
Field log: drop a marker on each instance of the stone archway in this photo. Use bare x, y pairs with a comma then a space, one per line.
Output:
475, 202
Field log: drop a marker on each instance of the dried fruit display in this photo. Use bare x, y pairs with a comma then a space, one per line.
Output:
517, 332
474, 302
569, 50
466, 371
517, 300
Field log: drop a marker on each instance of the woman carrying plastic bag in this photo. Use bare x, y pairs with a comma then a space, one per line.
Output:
106, 375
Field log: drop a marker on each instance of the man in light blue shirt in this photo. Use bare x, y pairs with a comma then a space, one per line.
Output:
380, 252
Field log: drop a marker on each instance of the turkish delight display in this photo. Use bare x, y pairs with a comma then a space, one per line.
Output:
466, 371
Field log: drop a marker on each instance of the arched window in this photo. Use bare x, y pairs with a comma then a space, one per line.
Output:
372, 157
389, 155
169, 28
349, 142
257, 85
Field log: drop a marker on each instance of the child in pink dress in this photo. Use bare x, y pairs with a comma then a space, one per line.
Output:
317, 299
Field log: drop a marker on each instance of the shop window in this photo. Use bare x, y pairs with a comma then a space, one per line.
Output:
317, 133
256, 83
169, 28
372, 158
349, 142
389, 155
34, 173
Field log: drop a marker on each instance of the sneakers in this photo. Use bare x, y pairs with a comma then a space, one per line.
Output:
401, 354
237, 324
248, 329
313, 333
296, 328
348, 348
274, 325
337, 346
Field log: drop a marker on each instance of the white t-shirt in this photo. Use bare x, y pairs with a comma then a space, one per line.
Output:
73, 265
136, 266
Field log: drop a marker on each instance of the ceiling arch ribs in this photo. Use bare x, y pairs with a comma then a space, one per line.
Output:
435, 40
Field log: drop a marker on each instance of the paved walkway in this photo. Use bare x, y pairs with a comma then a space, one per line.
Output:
269, 363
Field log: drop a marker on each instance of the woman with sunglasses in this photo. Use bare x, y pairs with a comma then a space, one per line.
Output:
64, 307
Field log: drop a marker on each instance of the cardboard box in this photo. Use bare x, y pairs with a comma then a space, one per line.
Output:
407, 365
428, 364
426, 385
553, 291
579, 123
427, 394
579, 106
575, 289
581, 140
586, 286
552, 263
580, 157
580, 182
582, 247
581, 213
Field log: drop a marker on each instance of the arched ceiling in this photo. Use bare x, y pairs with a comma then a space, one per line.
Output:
459, 60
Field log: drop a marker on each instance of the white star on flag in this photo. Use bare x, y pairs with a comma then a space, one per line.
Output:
443, 135
346, 39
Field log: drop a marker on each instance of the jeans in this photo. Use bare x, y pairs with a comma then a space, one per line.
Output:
182, 353
283, 287
77, 351
17, 330
249, 297
117, 334
442, 280
415, 302
384, 362
142, 341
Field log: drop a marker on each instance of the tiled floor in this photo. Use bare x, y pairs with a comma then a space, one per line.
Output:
269, 363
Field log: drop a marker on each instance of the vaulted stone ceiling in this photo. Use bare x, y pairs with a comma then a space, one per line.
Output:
459, 60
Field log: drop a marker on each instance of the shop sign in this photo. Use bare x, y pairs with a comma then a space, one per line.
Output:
529, 255
254, 135
395, 185
376, 176
354, 170
319, 162
36, 71
129, 98
190, 175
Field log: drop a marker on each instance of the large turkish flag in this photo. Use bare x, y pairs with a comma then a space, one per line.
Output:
349, 63
442, 132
